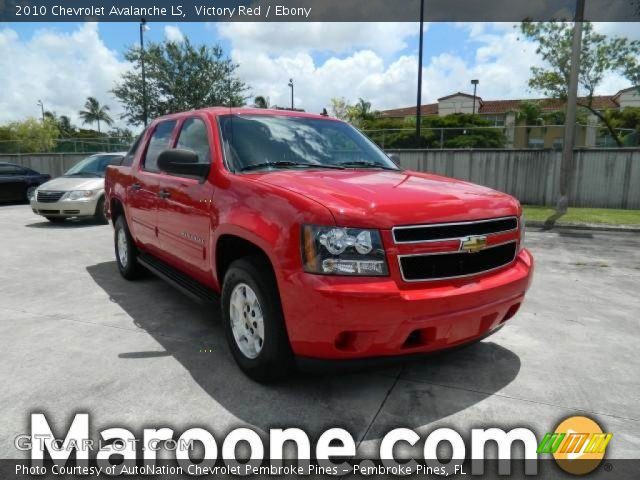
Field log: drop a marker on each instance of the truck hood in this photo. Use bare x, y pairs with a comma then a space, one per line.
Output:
65, 184
384, 199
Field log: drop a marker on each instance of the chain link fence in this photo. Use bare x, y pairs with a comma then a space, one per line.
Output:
67, 145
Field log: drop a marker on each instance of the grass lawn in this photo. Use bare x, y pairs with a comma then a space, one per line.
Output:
605, 216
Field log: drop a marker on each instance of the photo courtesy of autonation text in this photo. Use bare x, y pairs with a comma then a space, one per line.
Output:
319, 239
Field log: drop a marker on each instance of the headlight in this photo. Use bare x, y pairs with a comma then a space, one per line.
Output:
343, 251
33, 194
79, 195
522, 227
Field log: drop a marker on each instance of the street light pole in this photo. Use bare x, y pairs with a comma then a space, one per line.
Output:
143, 27
291, 85
475, 83
41, 105
419, 99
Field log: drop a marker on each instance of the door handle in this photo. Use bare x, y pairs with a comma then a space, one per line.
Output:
136, 186
164, 194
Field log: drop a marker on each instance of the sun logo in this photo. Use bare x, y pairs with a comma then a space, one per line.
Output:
578, 445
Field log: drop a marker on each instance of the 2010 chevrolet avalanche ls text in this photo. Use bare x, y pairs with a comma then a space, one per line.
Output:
319, 246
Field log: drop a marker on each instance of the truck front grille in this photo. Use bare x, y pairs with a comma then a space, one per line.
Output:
446, 231
440, 266
49, 196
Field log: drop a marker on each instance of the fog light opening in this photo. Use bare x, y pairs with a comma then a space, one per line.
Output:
513, 309
420, 338
345, 341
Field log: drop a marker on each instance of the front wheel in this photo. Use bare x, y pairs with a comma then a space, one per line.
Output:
126, 251
253, 321
99, 216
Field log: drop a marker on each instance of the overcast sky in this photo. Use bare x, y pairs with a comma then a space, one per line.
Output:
63, 63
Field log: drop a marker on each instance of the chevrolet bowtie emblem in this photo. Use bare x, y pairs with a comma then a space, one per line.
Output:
473, 244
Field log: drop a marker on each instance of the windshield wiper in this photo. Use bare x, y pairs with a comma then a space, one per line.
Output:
286, 163
358, 163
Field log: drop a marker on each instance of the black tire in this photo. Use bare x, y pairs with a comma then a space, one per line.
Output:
275, 359
129, 267
55, 219
99, 216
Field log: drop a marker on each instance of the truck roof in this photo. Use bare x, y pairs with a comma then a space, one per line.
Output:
216, 111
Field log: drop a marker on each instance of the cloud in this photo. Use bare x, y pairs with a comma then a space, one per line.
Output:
61, 69
380, 68
338, 38
173, 34
501, 62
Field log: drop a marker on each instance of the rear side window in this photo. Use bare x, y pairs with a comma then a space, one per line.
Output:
11, 170
127, 161
193, 136
160, 140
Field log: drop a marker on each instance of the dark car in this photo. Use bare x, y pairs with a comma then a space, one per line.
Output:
17, 183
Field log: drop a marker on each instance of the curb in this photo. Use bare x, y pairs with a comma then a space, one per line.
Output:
586, 226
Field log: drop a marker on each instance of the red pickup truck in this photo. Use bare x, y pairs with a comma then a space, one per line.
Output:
319, 246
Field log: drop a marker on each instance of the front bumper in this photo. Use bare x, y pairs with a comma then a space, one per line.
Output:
350, 318
65, 209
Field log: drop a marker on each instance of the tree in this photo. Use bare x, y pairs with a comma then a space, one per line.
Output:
260, 102
628, 120
600, 55
63, 123
360, 112
94, 112
452, 131
529, 114
31, 135
179, 77
340, 108
124, 134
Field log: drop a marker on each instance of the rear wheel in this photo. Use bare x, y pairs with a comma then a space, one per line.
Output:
126, 251
253, 321
99, 216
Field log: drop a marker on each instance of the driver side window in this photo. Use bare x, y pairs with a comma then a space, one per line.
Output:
193, 136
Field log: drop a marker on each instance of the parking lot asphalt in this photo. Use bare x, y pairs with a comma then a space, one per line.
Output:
75, 337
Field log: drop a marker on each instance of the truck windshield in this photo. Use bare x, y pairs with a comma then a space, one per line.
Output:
253, 142
93, 166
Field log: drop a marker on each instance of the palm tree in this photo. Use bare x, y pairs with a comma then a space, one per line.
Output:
260, 102
360, 112
529, 113
94, 112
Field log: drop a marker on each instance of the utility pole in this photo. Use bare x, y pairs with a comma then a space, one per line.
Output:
419, 99
475, 83
41, 105
143, 28
291, 85
567, 163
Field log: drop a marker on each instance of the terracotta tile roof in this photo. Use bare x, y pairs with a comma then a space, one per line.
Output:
430, 109
601, 102
460, 94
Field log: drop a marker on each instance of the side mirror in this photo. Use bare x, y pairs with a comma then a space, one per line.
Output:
178, 161
395, 158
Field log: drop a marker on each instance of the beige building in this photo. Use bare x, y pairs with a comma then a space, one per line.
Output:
502, 113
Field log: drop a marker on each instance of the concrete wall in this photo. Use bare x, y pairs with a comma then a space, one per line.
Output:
55, 164
605, 178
